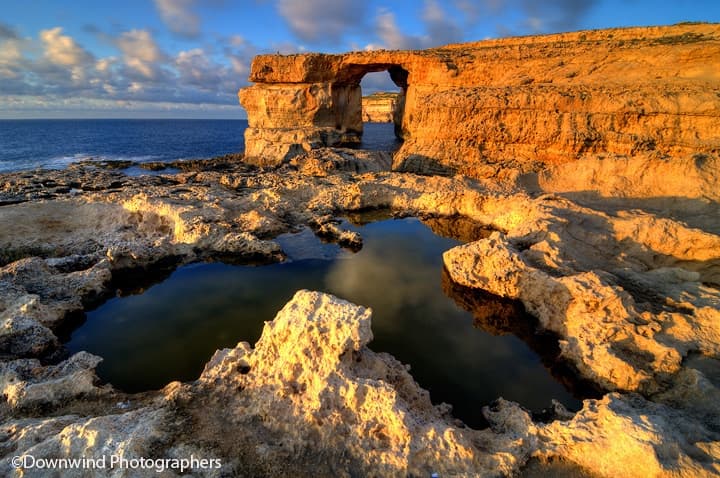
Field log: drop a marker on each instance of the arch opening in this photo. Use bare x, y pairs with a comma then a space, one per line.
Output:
347, 96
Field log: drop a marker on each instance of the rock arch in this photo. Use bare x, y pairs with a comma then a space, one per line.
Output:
522, 102
294, 108
347, 93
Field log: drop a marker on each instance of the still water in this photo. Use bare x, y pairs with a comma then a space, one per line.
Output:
465, 348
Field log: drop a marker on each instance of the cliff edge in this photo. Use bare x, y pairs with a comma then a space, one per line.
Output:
527, 102
379, 107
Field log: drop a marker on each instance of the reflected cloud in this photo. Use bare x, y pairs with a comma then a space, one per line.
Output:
386, 278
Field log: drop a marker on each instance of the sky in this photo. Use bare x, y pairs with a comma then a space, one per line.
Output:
188, 58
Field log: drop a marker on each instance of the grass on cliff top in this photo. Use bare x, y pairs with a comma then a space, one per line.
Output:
382, 94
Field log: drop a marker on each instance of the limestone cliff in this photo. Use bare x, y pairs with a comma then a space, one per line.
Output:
527, 102
379, 107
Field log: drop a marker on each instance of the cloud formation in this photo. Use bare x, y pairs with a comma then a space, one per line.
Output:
62, 50
440, 28
179, 17
515, 17
555, 15
140, 52
65, 74
162, 66
390, 34
322, 21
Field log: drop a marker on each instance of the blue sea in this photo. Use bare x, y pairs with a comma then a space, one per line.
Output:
31, 144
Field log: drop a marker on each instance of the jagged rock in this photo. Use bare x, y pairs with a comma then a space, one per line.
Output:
25, 383
310, 397
640, 438
127, 436
628, 280
313, 380
326, 161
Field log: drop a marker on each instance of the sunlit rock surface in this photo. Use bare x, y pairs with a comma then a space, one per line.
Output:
522, 102
597, 184
626, 278
379, 107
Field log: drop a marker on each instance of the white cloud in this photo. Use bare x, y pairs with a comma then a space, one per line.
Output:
140, 52
61, 49
441, 30
322, 21
236, 41
55, 67
239, 66
196, 69
9, 52
179, 17
10, 58
391, 35
135, 87
103, 65
109, 89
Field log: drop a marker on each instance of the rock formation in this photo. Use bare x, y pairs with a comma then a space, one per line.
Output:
379, 107
595, 206
524, 102
623, 267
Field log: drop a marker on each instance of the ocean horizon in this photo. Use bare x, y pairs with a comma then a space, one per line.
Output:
28, 144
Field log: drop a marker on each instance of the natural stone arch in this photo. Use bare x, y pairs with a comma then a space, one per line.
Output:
304, 102
527, 103
347, 95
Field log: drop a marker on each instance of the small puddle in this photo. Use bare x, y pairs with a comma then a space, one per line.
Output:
466, 348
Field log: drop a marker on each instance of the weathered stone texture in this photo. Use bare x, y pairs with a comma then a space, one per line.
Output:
529, 101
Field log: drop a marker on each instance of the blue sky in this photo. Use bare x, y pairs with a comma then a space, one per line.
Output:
187, 58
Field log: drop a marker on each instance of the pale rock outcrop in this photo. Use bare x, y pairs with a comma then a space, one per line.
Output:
25, 383
310, 397
627, 279
617, 294
313, 379
130, 435
334, 160
624, 434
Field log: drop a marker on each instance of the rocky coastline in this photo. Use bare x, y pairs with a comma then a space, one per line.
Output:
615, 252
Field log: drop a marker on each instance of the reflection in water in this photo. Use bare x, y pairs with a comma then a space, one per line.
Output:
459, 228
172, 329
498, 316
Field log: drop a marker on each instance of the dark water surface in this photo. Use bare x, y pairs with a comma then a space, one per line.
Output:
30, 144
463, 347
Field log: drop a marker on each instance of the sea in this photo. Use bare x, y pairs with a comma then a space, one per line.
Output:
52, 144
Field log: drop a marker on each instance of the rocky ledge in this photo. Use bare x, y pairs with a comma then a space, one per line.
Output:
611, 254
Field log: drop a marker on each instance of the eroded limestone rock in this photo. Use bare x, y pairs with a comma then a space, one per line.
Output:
525, 103
628, 282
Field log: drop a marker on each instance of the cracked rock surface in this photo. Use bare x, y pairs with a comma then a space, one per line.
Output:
626, 275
